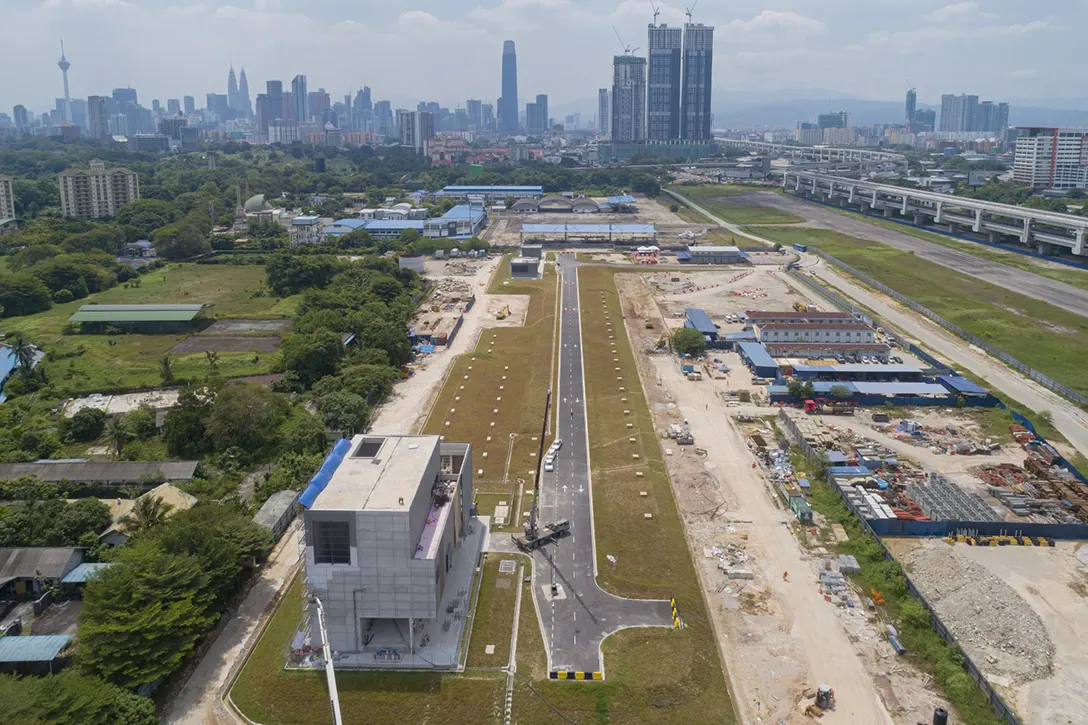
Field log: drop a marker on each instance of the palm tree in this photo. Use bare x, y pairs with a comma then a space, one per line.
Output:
147, 513
166, 369
24, 355
117, 434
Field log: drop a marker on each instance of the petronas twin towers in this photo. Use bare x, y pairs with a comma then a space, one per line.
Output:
238, 93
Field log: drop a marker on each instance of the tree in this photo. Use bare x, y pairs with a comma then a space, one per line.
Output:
688, 341
166, 369
305, 434
246, 416
87, 424
147, 215
344, 412
409, 235
213, 361
23, 294
180, 241
143, 618
184, 428
140, 423
71, 699
117, 434
24, 354
839, 391
388, 335
289, 274
147, 512
312, 356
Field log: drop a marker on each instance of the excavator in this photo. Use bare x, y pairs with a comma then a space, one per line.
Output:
503, 313
822, 700
800, 307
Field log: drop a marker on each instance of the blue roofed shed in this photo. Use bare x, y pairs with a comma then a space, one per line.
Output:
82, 573
758, 359
699, 321
34, 654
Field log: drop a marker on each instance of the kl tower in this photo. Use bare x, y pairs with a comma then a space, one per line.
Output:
64, 65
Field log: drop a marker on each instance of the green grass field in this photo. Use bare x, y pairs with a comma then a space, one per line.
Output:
1057, 272
508, 371
99, 363
715, 199
268, 694
493, 620
1038, 334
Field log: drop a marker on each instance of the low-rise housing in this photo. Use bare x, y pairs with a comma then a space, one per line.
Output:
29, 570
826, 332
101, 473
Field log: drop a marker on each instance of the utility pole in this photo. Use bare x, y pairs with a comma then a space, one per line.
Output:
326, 654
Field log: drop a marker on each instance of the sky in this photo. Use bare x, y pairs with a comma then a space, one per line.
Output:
450, 50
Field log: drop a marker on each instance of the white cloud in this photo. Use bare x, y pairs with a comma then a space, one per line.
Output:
775, 19
957, 12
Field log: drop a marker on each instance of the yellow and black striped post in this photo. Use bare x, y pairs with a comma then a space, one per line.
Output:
677, 623
581, 675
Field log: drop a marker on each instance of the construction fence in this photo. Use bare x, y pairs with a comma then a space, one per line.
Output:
1000, 354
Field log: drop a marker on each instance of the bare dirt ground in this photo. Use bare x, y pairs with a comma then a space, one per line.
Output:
407, 408
1049, 585
225, 343
247, 327
777, 636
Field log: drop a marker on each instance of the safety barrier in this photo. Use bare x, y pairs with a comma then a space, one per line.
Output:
1012, 362
575, 675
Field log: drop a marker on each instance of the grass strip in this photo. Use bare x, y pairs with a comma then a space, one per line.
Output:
1052, 270
714, 198
1045, 337
509, 371
267, 693
493, 619
925, 648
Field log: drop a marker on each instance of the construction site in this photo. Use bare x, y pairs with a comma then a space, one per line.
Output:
790, 609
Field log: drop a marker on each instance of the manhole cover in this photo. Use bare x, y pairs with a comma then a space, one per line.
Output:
507, 566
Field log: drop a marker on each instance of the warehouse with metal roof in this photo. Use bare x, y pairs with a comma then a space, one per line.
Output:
755, 356
101, 473
138, 318
611, 233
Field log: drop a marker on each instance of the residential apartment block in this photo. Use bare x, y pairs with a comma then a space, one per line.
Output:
96, 192
1051, 158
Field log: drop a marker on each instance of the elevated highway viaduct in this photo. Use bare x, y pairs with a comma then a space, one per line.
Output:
1047, 232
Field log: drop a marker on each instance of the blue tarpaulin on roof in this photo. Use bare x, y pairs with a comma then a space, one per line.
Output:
83, 572
324, 474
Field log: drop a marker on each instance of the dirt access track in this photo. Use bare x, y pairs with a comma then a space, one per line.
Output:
224, 343
1056, 293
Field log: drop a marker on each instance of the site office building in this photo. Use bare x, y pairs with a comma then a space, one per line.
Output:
382, 534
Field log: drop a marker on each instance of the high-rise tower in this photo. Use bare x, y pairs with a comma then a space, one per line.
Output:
663, 83
245, 108
232, 90
628, 99
300, 99
508, 103
64, 65
604, 111
698, 76
912, 105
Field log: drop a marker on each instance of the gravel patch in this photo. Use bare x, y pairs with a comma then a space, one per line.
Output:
994, 625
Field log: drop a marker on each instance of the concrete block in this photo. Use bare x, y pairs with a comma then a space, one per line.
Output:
453, 410
466, 378
492, 424
627, 412
457, 398
643, 493
739, 573
638, 474
469, 367
632, 440
630, 425
485, 454
647, 516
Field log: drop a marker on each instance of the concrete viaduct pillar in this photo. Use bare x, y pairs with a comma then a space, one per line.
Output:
1025, 236
977, 226
1078, 246
940, 213
919, 219
995, 237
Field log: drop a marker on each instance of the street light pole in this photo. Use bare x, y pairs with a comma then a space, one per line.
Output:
330, 674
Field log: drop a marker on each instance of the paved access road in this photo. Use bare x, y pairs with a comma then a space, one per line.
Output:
1059, 294
582, 614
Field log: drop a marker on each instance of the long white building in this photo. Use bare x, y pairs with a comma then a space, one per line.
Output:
7, 198
1051, 158
96, 192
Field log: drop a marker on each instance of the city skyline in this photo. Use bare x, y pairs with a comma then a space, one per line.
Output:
472, 31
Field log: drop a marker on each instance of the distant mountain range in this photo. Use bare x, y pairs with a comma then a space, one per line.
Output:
748, 109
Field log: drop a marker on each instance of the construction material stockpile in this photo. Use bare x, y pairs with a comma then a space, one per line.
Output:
1040, 491
943, 500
